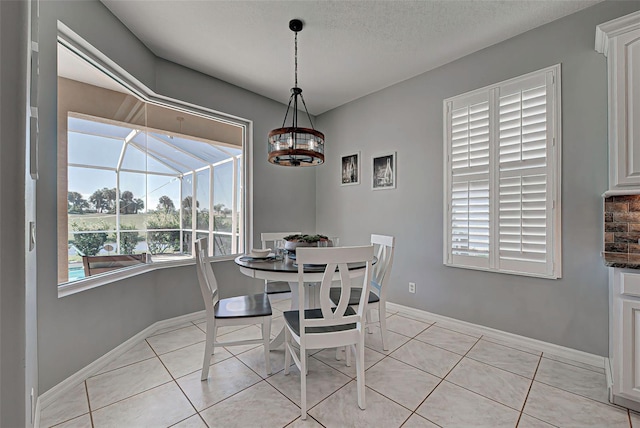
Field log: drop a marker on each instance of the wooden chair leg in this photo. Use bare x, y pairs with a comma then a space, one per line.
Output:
367, 318
208, 347
382, 315
266, 338
303, 383
287, 350
360, 373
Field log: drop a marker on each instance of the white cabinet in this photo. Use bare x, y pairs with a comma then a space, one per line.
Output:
624, 355
619, 41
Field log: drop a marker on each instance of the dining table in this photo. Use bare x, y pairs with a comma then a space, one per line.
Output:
286, 269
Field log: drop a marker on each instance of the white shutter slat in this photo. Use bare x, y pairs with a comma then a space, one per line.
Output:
502, 160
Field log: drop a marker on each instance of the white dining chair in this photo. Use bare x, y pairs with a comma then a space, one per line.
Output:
268, 241
328, 326
378, 294
241, 310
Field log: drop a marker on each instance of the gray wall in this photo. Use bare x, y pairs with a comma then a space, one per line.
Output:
74, 331
13, 375
407, 118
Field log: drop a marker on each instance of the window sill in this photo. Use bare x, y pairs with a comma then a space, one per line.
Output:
80, 285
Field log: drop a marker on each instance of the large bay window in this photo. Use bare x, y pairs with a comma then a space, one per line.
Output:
502, 177
141, 179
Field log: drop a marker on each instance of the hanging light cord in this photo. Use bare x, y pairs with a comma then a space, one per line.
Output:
294, 94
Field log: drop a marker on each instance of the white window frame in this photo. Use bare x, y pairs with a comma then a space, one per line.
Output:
551, 266
79, 46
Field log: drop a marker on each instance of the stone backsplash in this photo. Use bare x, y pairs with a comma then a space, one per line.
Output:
622, 231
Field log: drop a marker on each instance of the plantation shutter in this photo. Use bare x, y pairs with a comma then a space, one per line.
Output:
502, 177
525, 137
469, 226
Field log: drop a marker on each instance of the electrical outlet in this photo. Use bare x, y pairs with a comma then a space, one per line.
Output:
412, 287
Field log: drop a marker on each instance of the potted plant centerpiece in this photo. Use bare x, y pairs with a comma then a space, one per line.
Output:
295, 241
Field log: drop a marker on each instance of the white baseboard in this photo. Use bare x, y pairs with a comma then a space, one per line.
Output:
60, 389
538, 345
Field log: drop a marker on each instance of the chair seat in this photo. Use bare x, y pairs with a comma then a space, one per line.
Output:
292, 318
354, 299
255, 305
276, 287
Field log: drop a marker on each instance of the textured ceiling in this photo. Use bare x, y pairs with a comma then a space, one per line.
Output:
347, 49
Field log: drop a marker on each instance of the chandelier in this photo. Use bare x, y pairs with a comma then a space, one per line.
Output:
292, 145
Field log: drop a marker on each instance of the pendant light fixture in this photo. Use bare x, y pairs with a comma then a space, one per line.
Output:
295, 146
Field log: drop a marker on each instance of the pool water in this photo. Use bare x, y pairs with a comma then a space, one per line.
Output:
76, 274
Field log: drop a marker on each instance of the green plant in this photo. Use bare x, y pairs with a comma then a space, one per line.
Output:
306, 238
89, 244
128, 240
161, 242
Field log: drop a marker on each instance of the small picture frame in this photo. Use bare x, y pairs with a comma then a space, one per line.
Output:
350, 169
384, 172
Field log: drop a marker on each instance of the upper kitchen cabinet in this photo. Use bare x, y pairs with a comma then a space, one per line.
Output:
619, 41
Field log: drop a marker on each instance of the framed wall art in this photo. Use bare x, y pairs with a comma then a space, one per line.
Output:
384, 172
350, 169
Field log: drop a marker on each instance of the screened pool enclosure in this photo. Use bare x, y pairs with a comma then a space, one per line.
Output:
133, 190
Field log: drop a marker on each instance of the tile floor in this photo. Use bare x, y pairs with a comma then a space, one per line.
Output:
434, 374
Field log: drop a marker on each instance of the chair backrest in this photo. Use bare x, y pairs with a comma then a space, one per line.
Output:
206, 278
334, 258
266, 237
382, 269
94, 265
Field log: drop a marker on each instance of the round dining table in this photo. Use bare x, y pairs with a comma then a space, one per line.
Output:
286, 270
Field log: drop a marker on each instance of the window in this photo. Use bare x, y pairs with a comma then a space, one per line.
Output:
141, 179
502, 177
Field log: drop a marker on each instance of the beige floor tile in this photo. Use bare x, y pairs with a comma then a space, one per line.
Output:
170, 341
452, 406
172, 328
429, 358
460, 328
221, 330
417, 421
322, 381
500, 385
107, 388
141, 351
565, 409
574, 379
503, 357
374, 340
328, 356
307, 423
226, 378
450, 340
247, 333
83, 421
194, 421
189, 359
343, 406
511, 344
405, 326
69, 405
260, 405
161, 406
573, 363
255, 360
418, 317
635, 419
400, 382
527, 421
